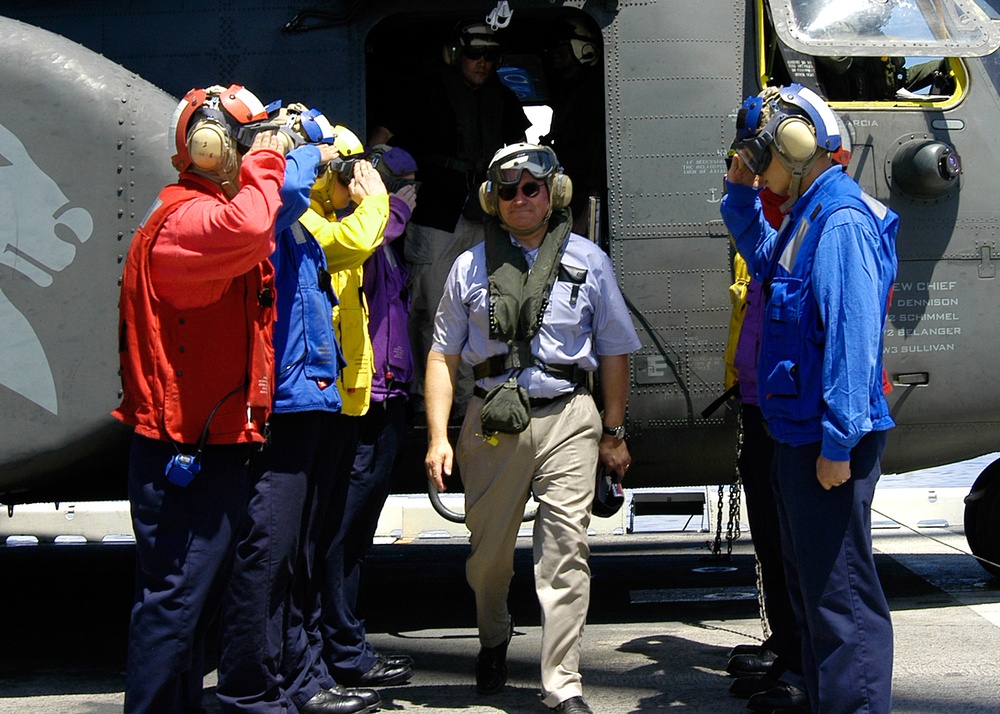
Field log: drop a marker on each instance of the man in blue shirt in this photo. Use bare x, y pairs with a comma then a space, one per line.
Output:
827, 272
534, 332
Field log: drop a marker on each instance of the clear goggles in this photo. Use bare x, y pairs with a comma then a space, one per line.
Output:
755, 151
537, 162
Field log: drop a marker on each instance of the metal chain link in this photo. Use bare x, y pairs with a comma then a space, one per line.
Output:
733, 525
765, 626
716, 545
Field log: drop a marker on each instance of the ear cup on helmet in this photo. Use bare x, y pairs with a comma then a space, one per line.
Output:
451, 52
560, 190
584, 51
207, 145
488, 198
795, 139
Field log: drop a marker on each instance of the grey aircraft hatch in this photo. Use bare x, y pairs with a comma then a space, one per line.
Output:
90, 86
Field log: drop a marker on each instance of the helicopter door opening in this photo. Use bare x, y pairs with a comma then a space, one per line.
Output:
551, 59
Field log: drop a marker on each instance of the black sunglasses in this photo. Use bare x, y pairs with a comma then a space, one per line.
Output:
508, 192
490, 54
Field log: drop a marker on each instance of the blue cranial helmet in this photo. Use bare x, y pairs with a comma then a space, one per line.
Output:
797, 123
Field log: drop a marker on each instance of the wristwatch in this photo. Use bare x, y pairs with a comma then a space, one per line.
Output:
616, 431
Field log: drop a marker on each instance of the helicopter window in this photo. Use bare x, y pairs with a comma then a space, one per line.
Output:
991, 63
850, 79
835, 28
860, 75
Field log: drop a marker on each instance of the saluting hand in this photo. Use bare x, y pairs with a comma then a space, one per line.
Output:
739, 173
268, 140
366, 182
327, 153
408, 195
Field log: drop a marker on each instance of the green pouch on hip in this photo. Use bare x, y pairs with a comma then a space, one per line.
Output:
506, 408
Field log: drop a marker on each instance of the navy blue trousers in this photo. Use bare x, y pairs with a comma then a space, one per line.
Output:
835, 591
267, 660
346, 649
756, 454
184, 545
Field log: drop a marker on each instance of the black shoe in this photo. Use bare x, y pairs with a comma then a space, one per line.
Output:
745, 649
746, 687
782, 697
381, 674
369, 696
326, 702
748, 665
398, 659
491, 665
573, 705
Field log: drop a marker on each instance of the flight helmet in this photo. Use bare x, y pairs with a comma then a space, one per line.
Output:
800, 127
584, 43
295, 125
506, 168
393, 164
472, 39
340, 169
204, 129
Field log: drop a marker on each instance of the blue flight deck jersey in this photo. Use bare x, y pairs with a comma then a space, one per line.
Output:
586, 317
307, 358
828, 272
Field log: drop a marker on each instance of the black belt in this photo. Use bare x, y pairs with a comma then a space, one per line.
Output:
521, 359
535, 402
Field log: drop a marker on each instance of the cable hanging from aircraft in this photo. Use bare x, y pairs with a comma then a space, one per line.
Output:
663, 353
910, 528
307, 20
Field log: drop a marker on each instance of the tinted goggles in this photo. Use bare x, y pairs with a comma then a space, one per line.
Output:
247, 133
344, 168
755, 151
490, 54
508, 192
537, 162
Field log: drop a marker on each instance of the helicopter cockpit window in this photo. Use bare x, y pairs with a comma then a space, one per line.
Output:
876, 50
903, 28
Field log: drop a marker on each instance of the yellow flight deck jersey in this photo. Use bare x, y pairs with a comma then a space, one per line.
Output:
347, 243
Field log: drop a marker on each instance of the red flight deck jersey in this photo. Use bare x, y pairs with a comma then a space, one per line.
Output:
196, 310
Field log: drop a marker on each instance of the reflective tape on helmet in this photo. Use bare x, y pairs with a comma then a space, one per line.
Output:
242, 104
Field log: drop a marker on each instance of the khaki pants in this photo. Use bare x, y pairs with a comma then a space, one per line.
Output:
555, 458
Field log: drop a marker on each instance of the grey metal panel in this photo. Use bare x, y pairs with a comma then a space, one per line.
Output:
68, 218
675, 78
179, 45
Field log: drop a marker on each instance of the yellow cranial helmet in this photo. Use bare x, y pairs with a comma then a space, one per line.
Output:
350, 148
